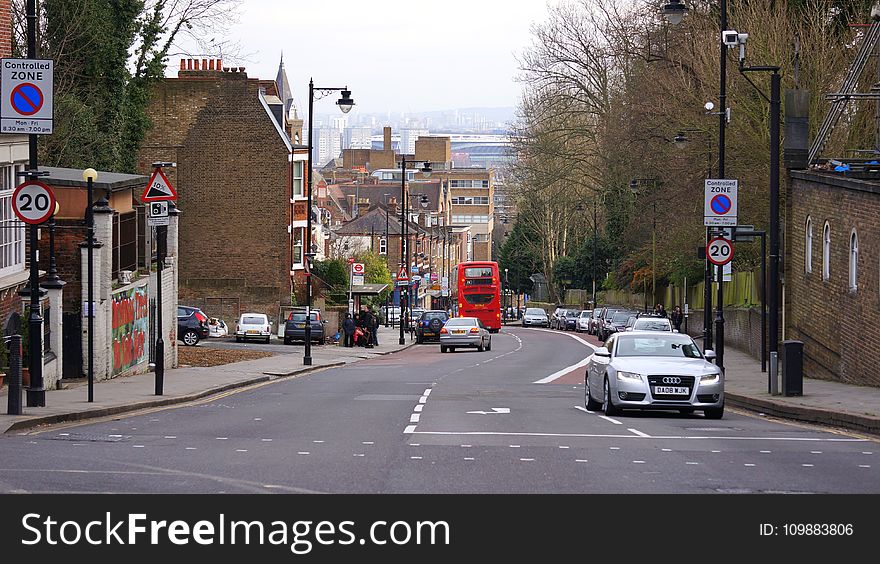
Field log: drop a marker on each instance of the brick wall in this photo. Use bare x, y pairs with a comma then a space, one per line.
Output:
232, 181
5, 28
839, 326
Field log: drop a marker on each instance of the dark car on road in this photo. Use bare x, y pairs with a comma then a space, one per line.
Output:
429, 325
295, 327
617, 323
569, 320
192, 325
604, 327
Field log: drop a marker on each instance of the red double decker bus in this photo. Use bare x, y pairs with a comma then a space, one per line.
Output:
476, 292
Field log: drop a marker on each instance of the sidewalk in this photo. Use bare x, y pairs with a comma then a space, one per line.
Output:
851, 407
133, 393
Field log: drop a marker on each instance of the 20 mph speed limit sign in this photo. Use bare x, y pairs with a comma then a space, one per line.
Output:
719, 251
33, 202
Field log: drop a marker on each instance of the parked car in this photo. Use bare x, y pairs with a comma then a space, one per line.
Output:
617, 324
415, 314
583, 321
535, 316
650, 323
653, 370
217, 328
429, 325
393, 314
605, 322
630, 322
253, 326
295, 327
192, 325
569, 319
465, 332
593, 324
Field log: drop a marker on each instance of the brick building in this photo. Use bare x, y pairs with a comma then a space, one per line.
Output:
832, 274
240, 183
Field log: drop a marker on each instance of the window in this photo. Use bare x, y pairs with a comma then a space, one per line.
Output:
826, 251
808, 245
468, 183
853, 260
383, 246
470, 219
471, 200
297, 179
11, 228
298, 246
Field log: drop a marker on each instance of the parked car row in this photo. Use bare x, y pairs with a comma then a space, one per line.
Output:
193, 325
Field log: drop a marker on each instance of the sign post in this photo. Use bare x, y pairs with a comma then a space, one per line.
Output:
158, 193
26, 103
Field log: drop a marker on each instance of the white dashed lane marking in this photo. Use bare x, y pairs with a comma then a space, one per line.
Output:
468, 458
639, 433
527, 459
606, 418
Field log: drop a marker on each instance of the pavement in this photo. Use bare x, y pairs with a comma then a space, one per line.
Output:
855, 408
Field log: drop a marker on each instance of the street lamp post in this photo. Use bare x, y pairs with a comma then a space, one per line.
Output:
404, 243
345, 104
90, 175
385, 201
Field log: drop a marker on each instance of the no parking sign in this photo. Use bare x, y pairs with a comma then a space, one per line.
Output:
26, 96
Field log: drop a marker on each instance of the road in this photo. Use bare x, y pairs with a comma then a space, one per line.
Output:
420, 421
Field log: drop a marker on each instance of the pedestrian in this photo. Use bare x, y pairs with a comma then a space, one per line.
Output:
364, 324
677, 317
660, 311
375, 326
348, 328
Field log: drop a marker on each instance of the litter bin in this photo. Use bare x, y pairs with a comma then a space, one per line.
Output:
792, 368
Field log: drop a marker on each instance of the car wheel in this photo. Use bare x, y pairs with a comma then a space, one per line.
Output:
489, 345
714, 413
442, 348
480, 347
451, 349
190, 338
418, 339
268, 340
287, 341
589, 402
607, 405
322, 340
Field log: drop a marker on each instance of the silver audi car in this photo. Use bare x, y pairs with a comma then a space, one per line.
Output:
653, 370
535, 316
460, 332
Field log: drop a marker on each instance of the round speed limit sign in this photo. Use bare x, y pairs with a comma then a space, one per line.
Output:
33, 202
719, 251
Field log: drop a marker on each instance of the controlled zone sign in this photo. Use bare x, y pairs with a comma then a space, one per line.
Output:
33, 202
26, 96
719, 251
158, 188
720, 202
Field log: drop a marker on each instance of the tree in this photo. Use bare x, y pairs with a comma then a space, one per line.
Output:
108, 55
333, 273
376, 272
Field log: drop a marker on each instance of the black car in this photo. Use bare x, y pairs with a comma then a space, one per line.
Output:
429, 325
295, 327
570, 320
192, 325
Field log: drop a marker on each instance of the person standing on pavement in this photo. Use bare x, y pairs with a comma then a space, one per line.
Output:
677, 317
375, 326
348, 330
660, 310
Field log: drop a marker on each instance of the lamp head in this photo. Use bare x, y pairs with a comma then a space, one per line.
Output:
634, 185
345, 101
90, 174
680, 140
674, 11
426, 169
709, 106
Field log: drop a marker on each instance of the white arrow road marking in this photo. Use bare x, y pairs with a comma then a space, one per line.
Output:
494, 410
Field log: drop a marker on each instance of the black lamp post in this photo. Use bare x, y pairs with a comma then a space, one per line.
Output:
404, 243
345, 104
385, 200
90, 175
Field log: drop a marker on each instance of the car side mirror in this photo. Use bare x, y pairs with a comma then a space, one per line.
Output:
709, 354
603, 351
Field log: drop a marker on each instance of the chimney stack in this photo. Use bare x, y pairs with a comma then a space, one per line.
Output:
386, 145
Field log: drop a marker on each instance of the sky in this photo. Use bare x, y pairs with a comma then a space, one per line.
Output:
423, 55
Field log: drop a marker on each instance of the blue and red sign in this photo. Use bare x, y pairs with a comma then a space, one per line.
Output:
721, 204
27, 99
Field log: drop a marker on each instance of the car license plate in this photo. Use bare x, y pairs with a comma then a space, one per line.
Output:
458, 332
252, 332
671, 391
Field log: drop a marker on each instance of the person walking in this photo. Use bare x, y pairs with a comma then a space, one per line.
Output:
660, 310
348, 327
677, 317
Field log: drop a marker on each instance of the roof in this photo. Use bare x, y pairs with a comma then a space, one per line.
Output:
368, 289
374, 222
59, 176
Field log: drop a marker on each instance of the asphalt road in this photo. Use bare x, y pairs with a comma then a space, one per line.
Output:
421, 421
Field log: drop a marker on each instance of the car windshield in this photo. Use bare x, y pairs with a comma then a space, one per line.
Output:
609, 313
434, 315
535, 311
302, 317
661, 345
620, 317
461, 322
253, 320
586, 313
478, 272
652, 325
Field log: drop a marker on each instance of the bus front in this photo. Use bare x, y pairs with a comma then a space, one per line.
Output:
479, 293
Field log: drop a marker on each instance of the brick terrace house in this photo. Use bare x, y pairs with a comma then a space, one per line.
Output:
832, 274
240, 184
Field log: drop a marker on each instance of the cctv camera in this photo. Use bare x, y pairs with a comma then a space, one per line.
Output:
730, 38
709, 106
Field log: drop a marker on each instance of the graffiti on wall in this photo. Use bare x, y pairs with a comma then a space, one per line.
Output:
130, 328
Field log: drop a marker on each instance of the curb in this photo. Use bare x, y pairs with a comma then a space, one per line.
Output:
850, 421
306, 370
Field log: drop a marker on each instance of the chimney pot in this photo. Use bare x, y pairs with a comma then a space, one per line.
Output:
182, 64
211, 64
195, 64
204, 64
219, 64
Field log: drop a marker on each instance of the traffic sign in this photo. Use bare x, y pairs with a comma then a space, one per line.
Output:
350, 260
26, 102
719, 251
158, 188
739, 236
357, 280
158, 214
434, 277
720, 202
358, 268
416, 278
402, 275
33, 202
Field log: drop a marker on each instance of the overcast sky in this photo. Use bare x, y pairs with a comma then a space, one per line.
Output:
394, 56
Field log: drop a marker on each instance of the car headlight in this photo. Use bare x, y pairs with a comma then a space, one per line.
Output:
629, 376
710, 378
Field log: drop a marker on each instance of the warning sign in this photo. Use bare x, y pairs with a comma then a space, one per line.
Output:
158, 188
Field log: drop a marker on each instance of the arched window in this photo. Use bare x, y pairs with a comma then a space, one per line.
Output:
826, 251
808, 245
383, 246
853, 260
